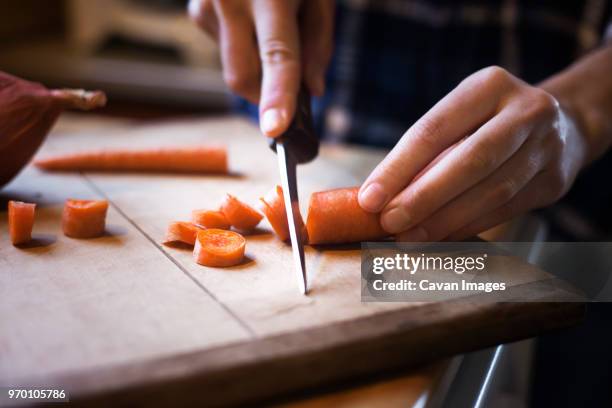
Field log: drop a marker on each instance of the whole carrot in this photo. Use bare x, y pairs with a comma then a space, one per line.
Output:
203, 159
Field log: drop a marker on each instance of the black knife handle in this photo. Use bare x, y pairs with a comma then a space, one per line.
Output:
300, 139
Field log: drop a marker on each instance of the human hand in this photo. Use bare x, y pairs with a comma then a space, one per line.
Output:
491, 149
266, 48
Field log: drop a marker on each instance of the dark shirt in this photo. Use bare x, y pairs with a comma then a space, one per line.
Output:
394, 59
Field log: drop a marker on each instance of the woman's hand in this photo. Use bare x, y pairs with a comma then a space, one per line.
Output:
266, 49
491, 149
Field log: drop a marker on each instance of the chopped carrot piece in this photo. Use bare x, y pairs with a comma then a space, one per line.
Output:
239, 214
207, 159
216, 247
181, 231
334, 216
84, 218
20, 221
210, 219
273, 207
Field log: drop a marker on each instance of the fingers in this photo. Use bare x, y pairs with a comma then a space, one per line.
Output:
471, 161
262, 54
241, 68
483, 198
533, 196
203, 14
464, 109
230, 24
317, 42
279, 50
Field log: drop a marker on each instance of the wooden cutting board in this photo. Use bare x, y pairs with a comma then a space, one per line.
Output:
123, 320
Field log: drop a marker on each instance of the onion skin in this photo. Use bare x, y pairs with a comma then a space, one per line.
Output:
28, 111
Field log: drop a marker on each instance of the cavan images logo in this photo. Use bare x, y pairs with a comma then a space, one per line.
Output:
404, 272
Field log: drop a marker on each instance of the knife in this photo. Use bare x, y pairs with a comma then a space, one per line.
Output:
297, 145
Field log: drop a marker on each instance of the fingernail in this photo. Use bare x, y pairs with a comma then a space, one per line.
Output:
395, 220
272, 121
373, 198
193, 8
418, 234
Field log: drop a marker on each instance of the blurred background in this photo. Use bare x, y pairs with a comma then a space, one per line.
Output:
144, 51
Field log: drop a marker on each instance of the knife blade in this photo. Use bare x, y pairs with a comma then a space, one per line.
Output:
297, 145
288, 168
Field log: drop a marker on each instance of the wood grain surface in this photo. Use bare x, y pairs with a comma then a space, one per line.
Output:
124, 320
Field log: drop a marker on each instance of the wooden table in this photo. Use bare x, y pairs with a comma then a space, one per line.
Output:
123, 319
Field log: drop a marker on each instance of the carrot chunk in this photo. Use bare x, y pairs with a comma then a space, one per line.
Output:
334, 216
181, 231
210, 219
84, 218
239, 214
272, 205
206, 159
20, 221
216, 247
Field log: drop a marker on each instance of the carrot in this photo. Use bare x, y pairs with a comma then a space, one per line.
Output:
206, 159
272, 205
210, 219
181, 231
239, 214
334, 216
20, 220
84, 218
216, 247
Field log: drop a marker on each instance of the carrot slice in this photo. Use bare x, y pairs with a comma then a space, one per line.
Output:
334, 216
239, 214
210, 219
273, 207
20, 220
181, 231
84, 218
216, 247
206, 159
